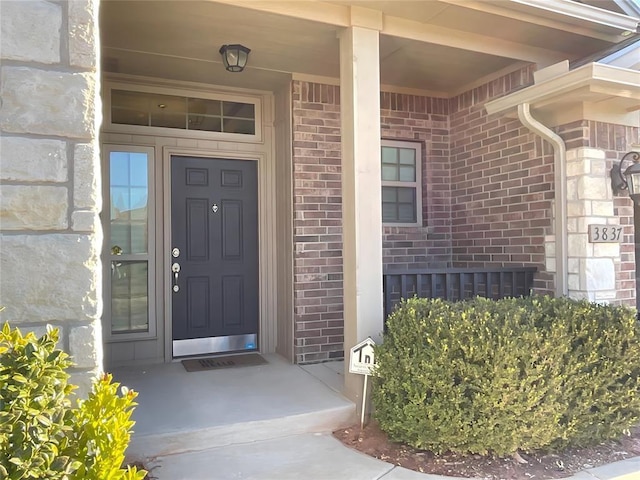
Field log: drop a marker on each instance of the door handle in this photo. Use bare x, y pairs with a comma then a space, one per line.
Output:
175, 269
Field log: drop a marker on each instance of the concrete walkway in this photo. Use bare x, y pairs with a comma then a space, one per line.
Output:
268, 422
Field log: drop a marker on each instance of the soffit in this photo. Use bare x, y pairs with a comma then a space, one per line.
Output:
180, 41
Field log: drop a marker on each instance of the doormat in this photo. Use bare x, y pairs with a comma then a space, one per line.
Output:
230, 361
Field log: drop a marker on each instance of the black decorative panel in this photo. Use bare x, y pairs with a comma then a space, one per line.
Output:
231, 229
197, 176
197, 302
232, 300
197, 229
231, 178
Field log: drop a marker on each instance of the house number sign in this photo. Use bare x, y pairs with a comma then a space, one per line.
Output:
605, 233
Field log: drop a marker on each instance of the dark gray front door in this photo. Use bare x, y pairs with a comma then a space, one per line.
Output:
214, 240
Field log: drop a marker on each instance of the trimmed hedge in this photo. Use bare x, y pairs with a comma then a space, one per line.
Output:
484, 376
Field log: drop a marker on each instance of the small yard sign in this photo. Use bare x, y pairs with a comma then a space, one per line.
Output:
362, 362
362, 359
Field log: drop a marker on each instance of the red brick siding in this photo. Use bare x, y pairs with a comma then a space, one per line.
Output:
501, 182
317, 223
318, 304
424, 120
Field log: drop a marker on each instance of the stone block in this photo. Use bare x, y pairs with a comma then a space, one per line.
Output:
572, 189
86, 177
573, 281
33, 207
577, 245
33, 160
54, 277
576, 209
593, 188
84, 346
30, 31
600, 274
83, 40
602, 208
48, 102
576, 168
550, 265
85, 221
611, 250
573, 265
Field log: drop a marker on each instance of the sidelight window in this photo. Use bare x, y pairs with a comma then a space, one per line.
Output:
129, 241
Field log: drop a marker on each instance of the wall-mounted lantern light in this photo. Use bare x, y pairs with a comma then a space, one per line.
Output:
629, 178
234, 57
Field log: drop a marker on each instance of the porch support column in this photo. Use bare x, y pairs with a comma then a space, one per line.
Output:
361, 186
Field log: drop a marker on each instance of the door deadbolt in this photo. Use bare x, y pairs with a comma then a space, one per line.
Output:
175, 253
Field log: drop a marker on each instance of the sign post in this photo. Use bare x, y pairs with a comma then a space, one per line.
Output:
362, 362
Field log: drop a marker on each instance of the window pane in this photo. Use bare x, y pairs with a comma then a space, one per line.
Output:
389, 194
205, 107
233, 125
407, 156
129, 193
129, 297
389, 212
406, 213
390, 155
399, 205
406, 195
389, 172
242, 110
168, 120
407, 174
200, 122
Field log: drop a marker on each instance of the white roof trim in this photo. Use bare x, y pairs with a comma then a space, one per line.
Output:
630, 7
585, 12
594, 78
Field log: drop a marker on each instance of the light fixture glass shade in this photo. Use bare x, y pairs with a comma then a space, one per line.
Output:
234, 57
632, 176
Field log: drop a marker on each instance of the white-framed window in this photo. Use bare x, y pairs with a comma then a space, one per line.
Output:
171, 111
401, 183
129, 242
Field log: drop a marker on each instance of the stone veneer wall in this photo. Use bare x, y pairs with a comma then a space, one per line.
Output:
50, 172
600, 271
317, 194
502, 184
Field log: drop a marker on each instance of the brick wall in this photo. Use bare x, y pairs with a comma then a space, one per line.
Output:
318, 306
502, 184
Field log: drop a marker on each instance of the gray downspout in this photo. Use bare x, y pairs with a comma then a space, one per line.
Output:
560, 184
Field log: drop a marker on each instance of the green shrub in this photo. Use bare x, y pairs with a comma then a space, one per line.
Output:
501, 376
42, 436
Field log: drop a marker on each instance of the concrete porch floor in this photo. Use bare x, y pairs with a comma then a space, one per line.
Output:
180, 411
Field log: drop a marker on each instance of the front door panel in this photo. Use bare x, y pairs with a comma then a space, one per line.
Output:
214, 228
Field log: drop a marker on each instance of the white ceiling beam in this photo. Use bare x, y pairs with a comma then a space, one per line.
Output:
341, 16
403, 28
496, 9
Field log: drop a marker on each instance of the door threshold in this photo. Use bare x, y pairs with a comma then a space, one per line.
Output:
215, 345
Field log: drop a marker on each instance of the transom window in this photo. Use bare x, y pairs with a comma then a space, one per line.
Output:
401, 183
171, 111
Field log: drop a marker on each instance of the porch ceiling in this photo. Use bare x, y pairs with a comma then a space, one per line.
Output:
452, 43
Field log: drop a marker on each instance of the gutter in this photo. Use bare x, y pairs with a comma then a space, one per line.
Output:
560, 181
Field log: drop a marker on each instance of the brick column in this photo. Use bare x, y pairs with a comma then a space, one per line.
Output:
361, 192
50, 172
